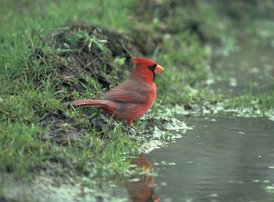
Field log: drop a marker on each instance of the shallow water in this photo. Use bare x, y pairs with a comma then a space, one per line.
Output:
221, 159
247, 69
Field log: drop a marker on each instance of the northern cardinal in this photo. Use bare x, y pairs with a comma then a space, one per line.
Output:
132, 98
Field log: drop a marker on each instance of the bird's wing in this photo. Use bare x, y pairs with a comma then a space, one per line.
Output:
129, 92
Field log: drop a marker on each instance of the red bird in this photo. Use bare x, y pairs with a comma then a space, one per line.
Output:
132, 98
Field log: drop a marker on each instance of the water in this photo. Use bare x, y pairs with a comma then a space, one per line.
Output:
224, 158
221, 159
248, 69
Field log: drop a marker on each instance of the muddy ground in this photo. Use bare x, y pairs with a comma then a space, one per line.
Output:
80, 57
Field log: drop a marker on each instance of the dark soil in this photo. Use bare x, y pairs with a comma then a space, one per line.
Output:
70, 60
74, 58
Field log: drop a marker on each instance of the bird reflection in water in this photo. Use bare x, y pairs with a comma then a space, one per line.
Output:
142, 190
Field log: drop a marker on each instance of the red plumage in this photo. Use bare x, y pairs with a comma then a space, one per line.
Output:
132, 98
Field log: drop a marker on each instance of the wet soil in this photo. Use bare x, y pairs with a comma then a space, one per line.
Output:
85, 50
81, 57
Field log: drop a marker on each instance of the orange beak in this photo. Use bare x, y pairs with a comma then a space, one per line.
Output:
159, 69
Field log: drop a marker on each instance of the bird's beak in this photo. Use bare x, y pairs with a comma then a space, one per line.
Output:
159, 69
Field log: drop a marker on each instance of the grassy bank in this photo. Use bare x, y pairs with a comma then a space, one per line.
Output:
29, 94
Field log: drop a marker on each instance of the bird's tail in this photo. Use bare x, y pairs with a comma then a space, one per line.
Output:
89, 102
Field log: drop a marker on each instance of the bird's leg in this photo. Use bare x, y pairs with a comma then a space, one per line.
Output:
136, 130
124, 128
128, 128
132, 126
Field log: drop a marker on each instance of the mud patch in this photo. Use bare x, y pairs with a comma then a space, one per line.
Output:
81, 60
47, 188
62, 131
79, 51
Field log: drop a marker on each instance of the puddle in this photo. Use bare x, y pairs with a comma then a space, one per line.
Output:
221, 159
247, 69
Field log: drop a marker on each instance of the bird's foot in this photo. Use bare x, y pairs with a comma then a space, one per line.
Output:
135, 129
131, 129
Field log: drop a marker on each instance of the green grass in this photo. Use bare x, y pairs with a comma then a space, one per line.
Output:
25, 152
23, 103
261, 101
28, 96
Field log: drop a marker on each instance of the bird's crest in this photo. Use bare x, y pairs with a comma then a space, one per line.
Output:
143, 61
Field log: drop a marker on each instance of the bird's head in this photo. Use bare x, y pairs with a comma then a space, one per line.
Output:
146, 69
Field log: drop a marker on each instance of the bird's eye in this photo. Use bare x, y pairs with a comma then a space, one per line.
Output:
152, 67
